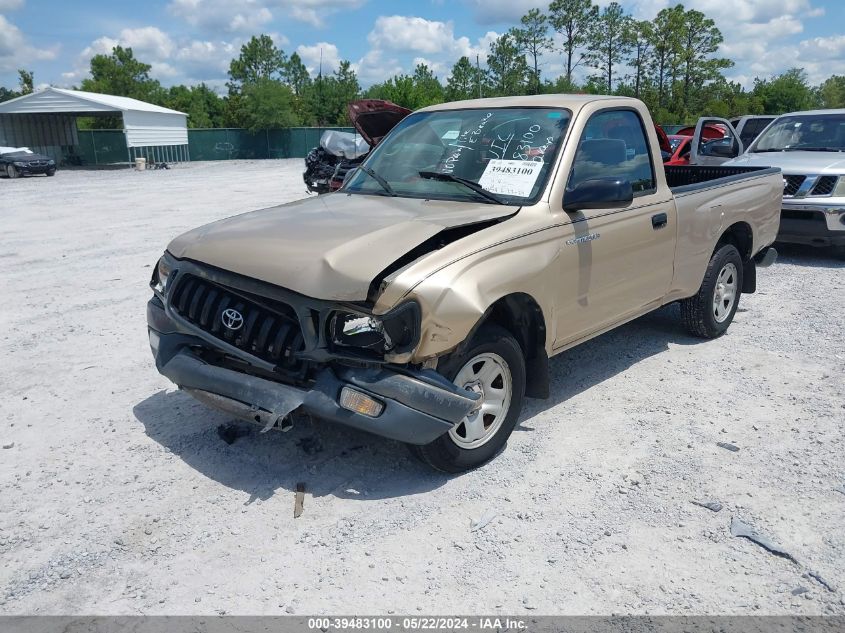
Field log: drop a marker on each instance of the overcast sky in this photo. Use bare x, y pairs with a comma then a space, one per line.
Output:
188, 41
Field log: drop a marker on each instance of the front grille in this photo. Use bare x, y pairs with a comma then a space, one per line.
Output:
791, 184
824, 186
270, 329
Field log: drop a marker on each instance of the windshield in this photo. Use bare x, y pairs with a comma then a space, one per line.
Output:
812, 133
507, 152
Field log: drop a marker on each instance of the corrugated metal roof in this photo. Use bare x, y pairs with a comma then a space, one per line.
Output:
54, 100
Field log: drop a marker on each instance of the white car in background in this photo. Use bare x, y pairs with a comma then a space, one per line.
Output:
809, 148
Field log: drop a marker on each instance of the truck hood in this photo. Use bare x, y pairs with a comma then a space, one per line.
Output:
794, 162
333, 246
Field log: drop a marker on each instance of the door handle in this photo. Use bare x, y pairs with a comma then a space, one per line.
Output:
659, 221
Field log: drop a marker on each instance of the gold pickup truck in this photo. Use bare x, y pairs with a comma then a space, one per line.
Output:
422, 301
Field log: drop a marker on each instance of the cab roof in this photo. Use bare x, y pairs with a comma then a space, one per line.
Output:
569, 101
814, 112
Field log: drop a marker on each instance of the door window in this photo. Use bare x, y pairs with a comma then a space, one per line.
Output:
717, 140
614, 144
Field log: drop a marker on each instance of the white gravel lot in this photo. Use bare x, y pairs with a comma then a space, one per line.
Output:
118, 497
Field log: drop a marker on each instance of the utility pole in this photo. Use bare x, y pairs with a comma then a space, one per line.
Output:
478, 74
320, 82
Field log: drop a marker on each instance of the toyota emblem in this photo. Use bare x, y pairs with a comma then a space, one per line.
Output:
232, 319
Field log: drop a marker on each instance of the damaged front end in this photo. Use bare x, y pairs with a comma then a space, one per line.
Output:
266, 354
338, 153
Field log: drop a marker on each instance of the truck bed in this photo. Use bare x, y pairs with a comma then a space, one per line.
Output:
683, 179
709, 199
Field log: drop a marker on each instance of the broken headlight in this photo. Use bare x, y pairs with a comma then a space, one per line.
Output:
396, 332
160, 276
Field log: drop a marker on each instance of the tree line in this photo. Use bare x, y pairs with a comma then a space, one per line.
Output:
669, 62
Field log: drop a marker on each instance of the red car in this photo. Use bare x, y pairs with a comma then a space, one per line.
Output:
708, 132
681, 145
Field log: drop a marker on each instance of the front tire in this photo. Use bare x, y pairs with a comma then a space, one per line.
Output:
51, 172
492, 364
709, 313
12, 171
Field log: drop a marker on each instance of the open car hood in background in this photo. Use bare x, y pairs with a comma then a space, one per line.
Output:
374, 118
663, 139
708, 132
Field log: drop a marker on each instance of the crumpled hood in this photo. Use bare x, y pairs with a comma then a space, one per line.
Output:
794, 162
329, 247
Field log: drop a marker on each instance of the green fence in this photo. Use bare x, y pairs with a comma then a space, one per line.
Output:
232, 143
103, 147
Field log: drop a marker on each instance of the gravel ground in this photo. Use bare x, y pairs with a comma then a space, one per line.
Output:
119, 496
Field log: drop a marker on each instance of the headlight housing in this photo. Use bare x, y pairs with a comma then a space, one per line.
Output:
161, 274
393, 334
839, 191
20, 163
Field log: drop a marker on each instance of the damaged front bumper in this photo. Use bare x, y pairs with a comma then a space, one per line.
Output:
417, 406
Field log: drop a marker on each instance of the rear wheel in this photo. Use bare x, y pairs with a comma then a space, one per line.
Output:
493, 366
12, 171
709, 312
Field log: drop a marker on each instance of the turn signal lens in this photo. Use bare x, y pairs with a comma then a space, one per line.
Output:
839, 192
358, 402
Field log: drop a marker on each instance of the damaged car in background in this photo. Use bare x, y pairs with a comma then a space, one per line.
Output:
327, 165
421, 302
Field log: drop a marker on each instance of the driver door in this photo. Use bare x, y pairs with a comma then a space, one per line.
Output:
615, 263
710, 150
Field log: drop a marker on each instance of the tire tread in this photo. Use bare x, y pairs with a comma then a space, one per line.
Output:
694, 310
434, 455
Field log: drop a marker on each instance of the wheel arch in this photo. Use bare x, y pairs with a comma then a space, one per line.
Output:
521, 315
741, 235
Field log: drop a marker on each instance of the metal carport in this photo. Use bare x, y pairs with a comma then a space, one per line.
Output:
45, 121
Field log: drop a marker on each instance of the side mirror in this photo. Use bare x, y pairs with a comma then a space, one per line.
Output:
599, 193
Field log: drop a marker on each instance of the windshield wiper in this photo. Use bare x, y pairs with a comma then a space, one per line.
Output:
812, 149
379, 179
469, 184
763, 151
